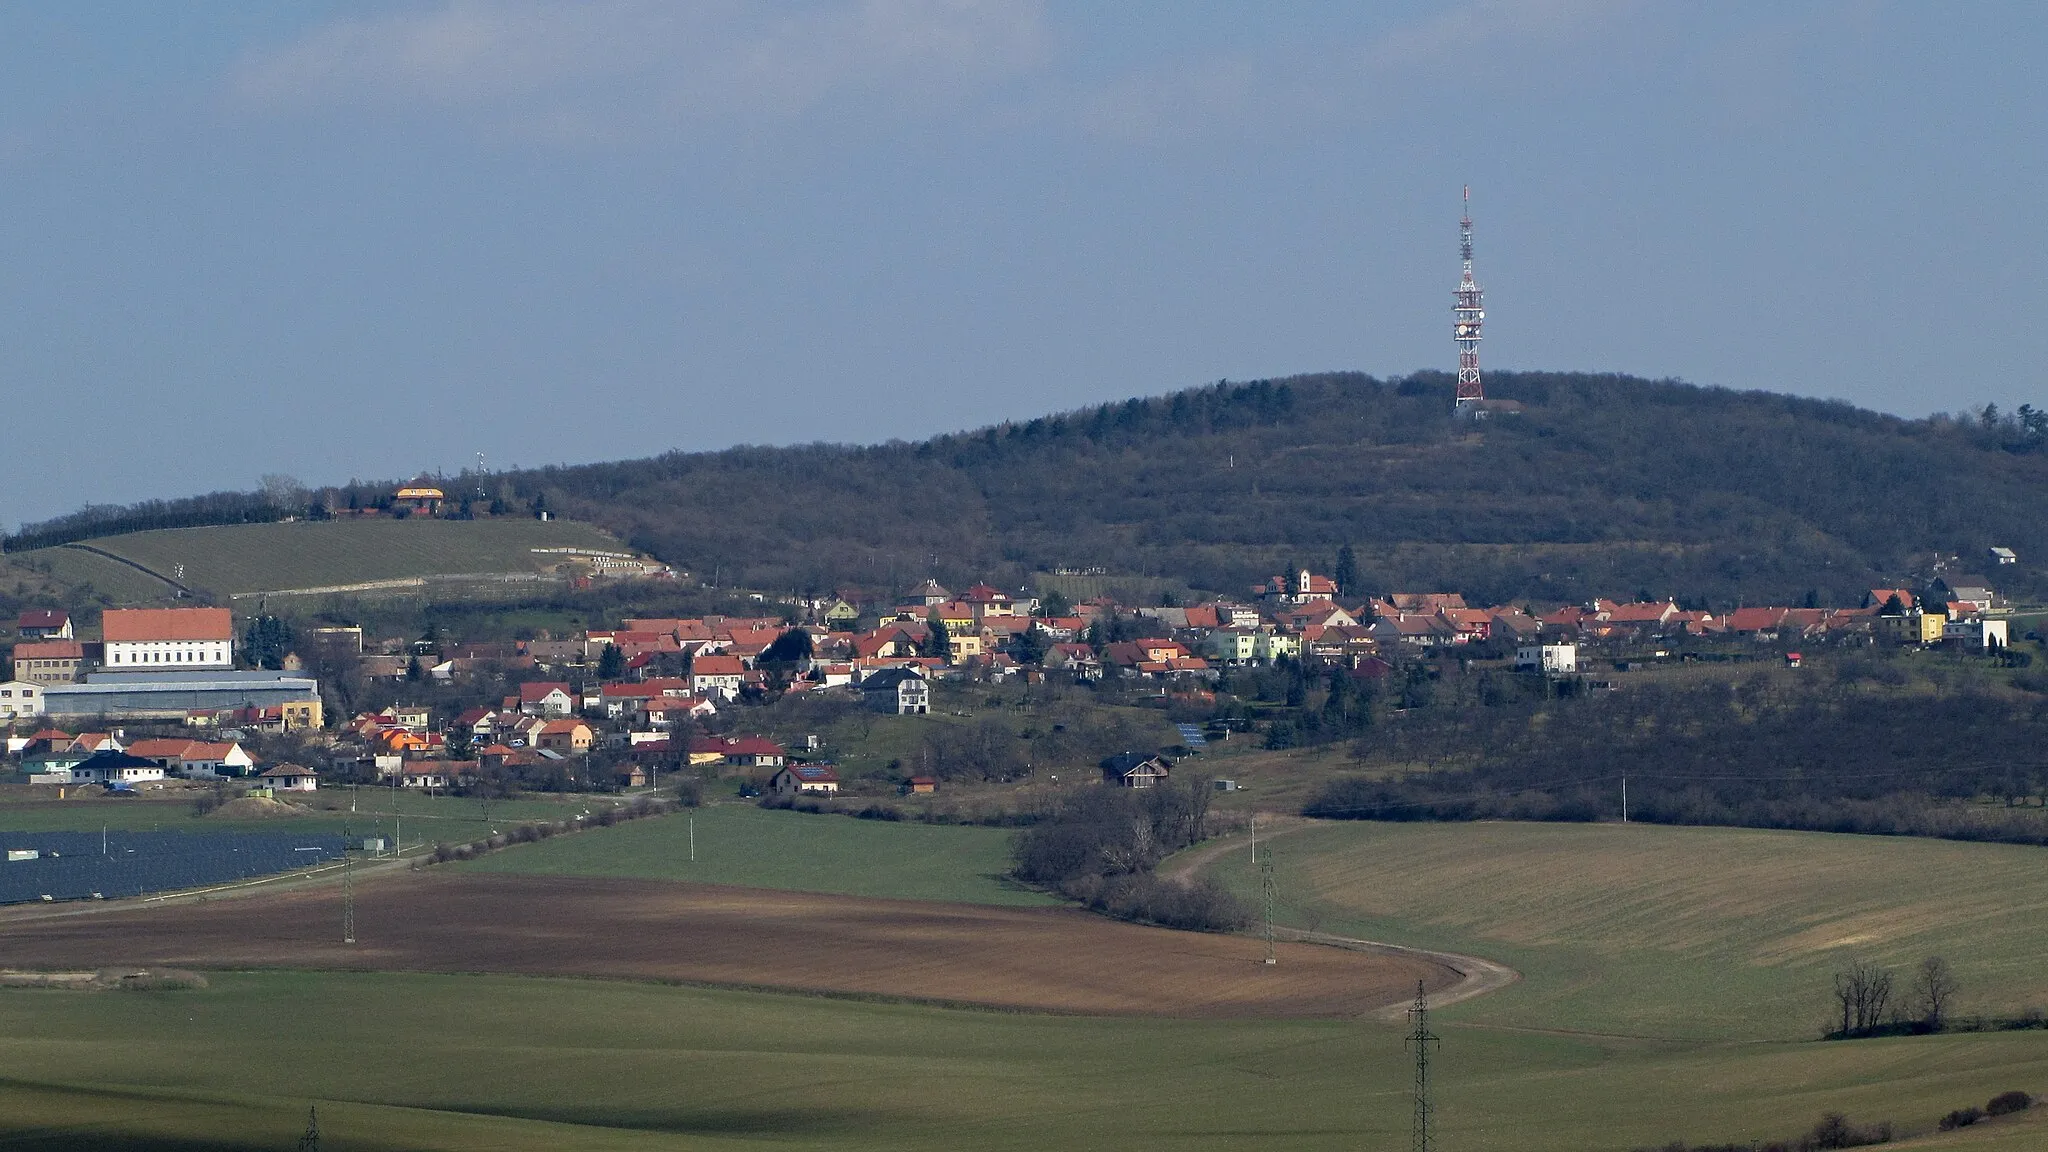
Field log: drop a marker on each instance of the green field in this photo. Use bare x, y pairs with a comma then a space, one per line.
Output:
425, 818
742, 844
117, 582
268, 557
1673, 933
420, 1062
1674, 978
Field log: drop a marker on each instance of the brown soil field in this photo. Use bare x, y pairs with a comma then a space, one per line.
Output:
1033, 959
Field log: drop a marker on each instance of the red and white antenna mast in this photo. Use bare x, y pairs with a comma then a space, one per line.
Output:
1470, 315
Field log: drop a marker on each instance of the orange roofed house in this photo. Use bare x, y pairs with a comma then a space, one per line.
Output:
146, 639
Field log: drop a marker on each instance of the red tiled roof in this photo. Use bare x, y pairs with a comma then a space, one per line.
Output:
49, 650
537, 691
43, 618
139, 624
717, 666
1755, 619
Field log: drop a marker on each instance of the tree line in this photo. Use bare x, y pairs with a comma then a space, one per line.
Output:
1764, 751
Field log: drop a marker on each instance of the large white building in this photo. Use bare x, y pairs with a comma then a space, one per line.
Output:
1549, 659
162, 639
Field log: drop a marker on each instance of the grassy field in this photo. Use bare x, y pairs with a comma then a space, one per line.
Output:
1673, 933
118, 583
742, 844
268, 557
428, 818
420, 1062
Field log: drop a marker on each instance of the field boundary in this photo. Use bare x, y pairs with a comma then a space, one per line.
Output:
118, 559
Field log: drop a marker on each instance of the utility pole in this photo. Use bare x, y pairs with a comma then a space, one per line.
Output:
693, 837
1624, 800
1423, 1139
1266, 892
348, 890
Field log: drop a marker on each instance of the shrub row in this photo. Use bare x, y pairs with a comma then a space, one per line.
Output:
2002, 1104
530, 833
1834, 1131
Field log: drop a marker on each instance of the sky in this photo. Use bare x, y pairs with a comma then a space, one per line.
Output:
374, 239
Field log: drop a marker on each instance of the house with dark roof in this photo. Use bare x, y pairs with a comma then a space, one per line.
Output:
1136, 770
44, 624
291, 778
897, 691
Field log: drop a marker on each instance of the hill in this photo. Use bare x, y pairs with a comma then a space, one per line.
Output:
237, 559
1605, 485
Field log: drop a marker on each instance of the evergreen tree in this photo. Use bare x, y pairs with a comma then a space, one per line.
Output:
611, 663
1346, 576
938, 642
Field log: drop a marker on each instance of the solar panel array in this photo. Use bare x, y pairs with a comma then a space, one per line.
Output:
1191, 735
79, 866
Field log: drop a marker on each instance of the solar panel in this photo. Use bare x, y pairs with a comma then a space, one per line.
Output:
1191, 735
80, 865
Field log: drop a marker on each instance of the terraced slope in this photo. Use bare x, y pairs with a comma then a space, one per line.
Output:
245, 558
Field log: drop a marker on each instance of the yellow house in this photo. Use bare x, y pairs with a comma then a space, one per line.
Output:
301, 714
1914, 627
1273, 645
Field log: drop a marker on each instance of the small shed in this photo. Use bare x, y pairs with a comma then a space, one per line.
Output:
922, 785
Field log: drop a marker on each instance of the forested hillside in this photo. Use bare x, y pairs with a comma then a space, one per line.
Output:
1606, 485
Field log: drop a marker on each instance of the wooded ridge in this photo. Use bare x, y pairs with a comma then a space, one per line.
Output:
1604, 485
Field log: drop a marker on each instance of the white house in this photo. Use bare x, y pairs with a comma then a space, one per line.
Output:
291, 778
546, 698
20, 699
897, 691
815, 778
143, 639
115, 768
1549, 659
1978, 632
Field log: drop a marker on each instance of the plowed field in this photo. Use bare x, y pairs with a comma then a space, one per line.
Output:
1044, 959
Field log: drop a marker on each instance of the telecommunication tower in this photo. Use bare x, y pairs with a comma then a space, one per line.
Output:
1469, 316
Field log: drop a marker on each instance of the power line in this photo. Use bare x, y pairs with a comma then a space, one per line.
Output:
1423, 1137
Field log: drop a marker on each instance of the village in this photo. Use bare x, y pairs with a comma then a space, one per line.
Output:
176, 694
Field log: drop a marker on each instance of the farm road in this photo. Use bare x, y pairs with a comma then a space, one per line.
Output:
1476, 975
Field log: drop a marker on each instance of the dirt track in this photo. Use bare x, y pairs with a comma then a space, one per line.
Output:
1035, 959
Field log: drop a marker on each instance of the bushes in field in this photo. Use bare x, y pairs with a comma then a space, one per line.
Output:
1833, 1132
1099, 846
1837, 1131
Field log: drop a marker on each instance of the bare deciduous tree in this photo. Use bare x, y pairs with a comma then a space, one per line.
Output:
1934, 989
1863, 993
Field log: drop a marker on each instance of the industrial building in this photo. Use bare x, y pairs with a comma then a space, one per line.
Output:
173, 695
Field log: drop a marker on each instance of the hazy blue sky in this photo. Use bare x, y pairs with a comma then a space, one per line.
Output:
367, 239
